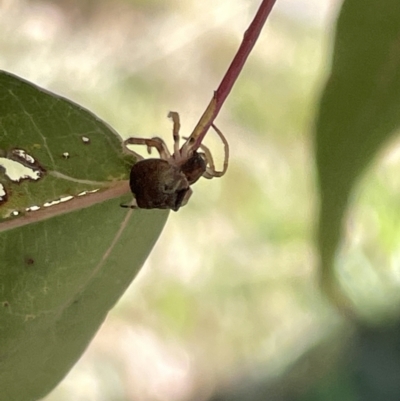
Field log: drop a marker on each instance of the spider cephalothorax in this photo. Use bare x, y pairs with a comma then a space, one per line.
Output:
164, 183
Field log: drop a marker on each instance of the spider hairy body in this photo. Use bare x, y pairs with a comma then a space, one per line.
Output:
158, 185
164, 183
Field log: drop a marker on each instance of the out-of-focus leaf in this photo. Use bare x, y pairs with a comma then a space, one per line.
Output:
359, 111
64, 266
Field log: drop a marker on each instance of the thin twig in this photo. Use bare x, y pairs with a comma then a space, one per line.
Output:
249, 39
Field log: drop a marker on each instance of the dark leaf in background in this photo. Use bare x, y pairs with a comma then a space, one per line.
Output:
359, 111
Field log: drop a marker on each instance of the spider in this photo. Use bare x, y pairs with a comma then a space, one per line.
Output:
164, 183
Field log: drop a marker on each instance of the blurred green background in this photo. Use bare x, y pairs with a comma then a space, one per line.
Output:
228, 304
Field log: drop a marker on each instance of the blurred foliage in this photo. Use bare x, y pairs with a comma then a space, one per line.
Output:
230, 298
279, 83
358, 113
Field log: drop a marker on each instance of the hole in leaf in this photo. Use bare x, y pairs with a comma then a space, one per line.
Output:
3, 193
16, 171
66, 198
57, 201
22, 155
51, 203
32, 208
88, 192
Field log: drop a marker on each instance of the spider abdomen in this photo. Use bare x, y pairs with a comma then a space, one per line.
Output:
157, 184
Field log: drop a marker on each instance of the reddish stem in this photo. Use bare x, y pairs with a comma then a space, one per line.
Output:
249, 39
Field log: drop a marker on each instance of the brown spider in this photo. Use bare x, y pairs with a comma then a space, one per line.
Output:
164, 183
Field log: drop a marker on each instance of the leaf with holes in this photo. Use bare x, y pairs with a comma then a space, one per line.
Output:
67, 250
359, 111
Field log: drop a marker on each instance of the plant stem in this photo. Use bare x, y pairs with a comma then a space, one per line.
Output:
249, 39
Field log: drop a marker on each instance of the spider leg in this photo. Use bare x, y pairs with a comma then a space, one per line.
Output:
156, 142
165, 152
137, 156
131, 205
210, 169
187, 148
211, 172
175, 133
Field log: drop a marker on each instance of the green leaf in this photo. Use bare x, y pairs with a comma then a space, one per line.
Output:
62, 267
73, 150
359, 111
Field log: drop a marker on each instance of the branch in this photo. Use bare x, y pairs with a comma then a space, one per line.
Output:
249, 39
